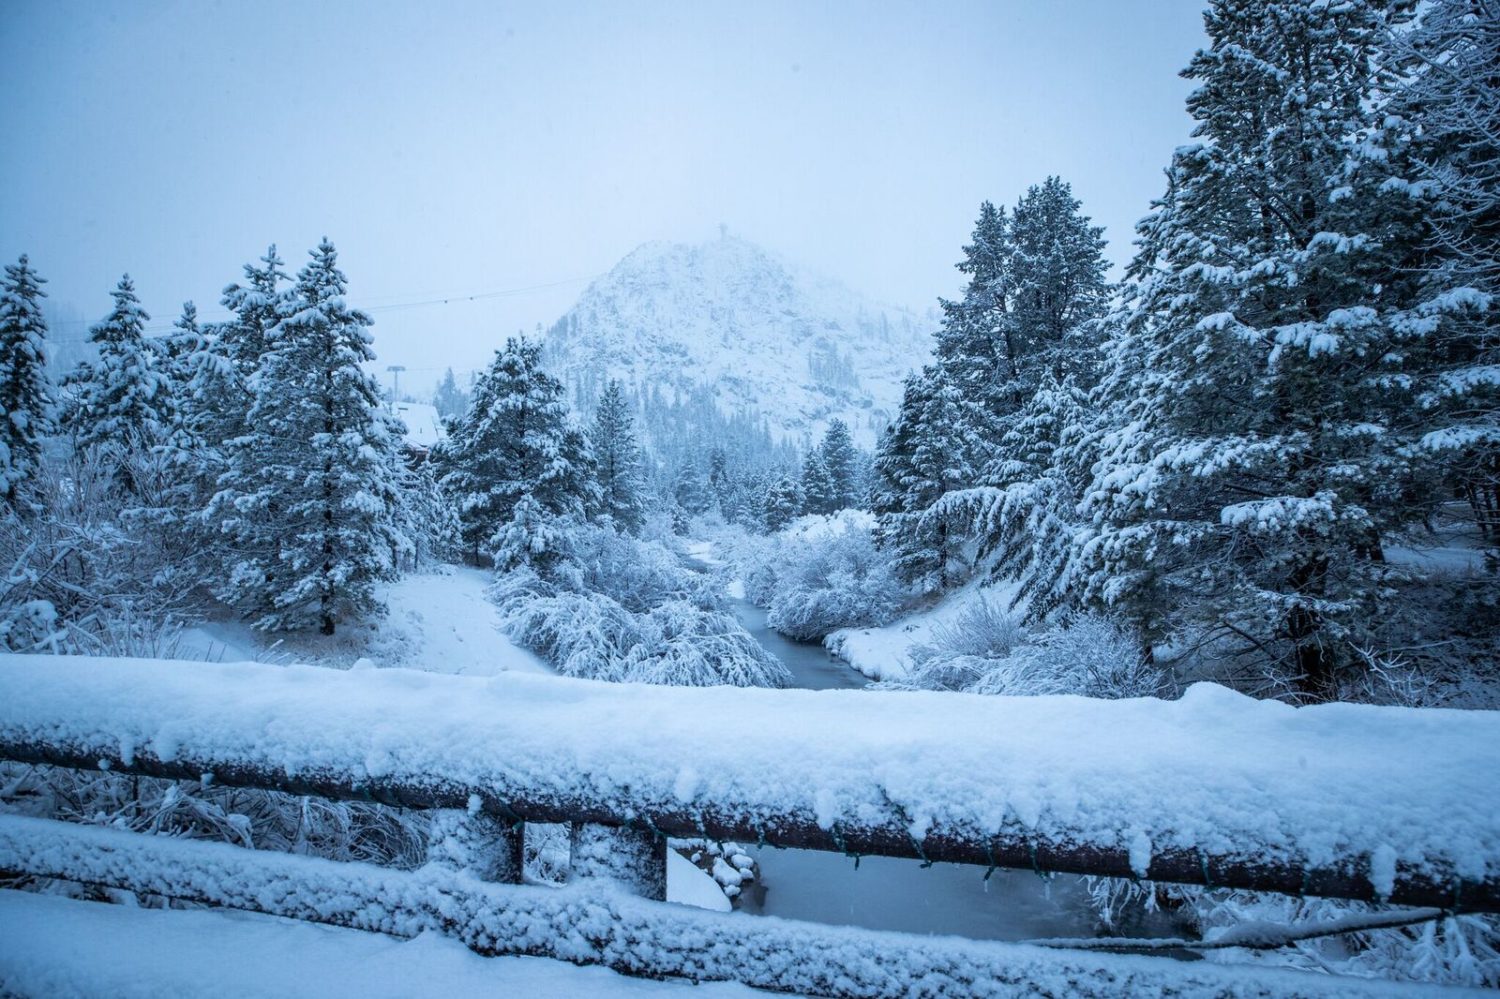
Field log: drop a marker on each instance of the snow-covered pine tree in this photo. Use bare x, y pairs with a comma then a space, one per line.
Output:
27, 402
974, 349
516, 440
841, 463
690, 490
175, 352
1023, 511
1442, 143
309, 494
1057, 287
258, 306
782, 504
449, 400
119, 403
1245, 492
171, 485
617, 460
952, 415
923, 455
817, 487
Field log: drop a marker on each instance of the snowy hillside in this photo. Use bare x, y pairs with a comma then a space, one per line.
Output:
763, 334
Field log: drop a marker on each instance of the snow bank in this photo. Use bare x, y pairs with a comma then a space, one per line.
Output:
582, 923
1243, 781
884, 653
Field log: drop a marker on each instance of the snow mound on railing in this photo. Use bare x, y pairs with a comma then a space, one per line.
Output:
1214, 771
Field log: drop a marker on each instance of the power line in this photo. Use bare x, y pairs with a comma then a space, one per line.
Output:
390, 307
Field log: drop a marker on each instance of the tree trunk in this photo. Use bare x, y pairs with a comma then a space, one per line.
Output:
1315, 667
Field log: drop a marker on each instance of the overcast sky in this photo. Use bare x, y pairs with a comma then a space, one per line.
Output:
452, 149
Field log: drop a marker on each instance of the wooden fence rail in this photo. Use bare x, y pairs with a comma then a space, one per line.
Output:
1351, 879
1344, 801
592, 923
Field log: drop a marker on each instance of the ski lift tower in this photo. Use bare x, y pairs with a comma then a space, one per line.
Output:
395, 370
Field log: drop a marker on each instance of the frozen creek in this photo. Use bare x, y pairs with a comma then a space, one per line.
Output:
890, 894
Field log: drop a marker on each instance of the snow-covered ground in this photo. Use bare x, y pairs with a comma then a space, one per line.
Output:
439, 620
449, 625
60, 948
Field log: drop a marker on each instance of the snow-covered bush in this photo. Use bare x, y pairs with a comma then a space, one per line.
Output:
617, 608
1089, 655
80, 576
637, 574
266, 820
985, 650
830, 580
684, 645
961, 651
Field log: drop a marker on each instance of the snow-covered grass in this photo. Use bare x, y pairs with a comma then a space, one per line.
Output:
443, 621
439, 619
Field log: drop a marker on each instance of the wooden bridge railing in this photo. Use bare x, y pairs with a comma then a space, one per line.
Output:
1127, 789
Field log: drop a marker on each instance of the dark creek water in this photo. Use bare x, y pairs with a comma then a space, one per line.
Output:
890, 894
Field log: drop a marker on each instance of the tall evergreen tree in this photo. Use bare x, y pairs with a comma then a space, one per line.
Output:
516, 440
975, 351
841, 463
817, 486
782, 504
449, 400
1022, 511
924, 454
617, 460
174, 353
258, 306
1057, 288
1244, 494
310, 490
119, 403
1441, 141
27, 403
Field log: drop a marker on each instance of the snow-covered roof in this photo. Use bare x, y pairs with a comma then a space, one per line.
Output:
424, 427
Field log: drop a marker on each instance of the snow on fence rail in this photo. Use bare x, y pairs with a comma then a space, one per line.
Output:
590, 924
1340, 800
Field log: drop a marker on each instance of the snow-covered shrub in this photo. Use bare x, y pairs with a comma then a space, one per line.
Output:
267, 820
637, 574
80, 576
961, 651
831, 580
1089, 655
985, 650
684, 645
626, 610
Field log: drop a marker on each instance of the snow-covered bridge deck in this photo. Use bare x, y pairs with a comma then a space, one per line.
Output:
1214, 787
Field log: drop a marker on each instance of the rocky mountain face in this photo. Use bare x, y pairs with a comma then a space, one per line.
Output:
764, 336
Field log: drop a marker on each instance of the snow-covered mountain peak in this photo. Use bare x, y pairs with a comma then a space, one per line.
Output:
764, 334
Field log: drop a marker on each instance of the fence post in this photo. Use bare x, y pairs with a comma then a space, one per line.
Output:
488, 847
635, 858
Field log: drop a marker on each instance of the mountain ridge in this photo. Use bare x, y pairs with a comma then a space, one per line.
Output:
764, 334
